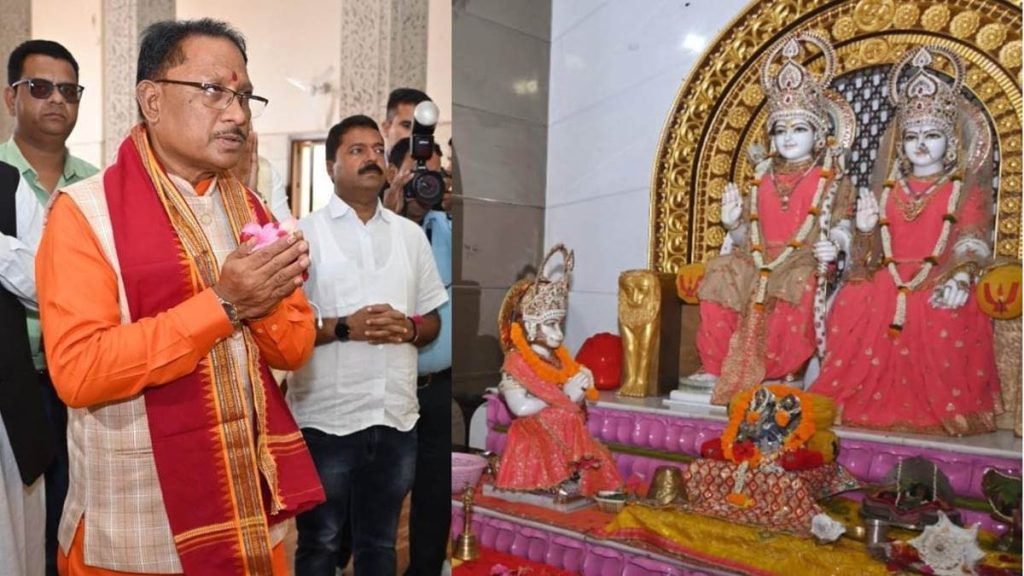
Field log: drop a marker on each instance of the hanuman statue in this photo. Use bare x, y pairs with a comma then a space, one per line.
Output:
548, 446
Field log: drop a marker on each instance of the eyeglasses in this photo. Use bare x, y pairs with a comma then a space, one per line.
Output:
220, 98
42, 89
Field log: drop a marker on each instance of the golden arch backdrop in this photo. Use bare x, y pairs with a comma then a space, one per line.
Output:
720, 110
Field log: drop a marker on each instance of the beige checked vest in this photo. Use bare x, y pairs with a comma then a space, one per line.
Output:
114, 484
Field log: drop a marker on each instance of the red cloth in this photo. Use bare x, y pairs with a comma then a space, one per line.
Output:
544, 449
939, 375
492, 562
221, 528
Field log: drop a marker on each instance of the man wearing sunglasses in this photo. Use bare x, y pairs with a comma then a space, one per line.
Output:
43, 96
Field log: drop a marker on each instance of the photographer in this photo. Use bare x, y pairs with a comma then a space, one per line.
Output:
397, 123
430, 501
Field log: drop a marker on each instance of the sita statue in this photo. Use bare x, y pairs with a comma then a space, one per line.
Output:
548, 447
911, 349
762, 304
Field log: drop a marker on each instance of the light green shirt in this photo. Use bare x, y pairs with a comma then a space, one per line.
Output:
75, 169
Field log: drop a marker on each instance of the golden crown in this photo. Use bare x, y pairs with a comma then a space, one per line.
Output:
925, 97
547, 298
794, 93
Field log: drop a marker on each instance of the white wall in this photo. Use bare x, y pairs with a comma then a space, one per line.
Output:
616, 67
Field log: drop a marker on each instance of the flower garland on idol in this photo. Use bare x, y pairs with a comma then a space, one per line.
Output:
544, 369
904, 287
817, 209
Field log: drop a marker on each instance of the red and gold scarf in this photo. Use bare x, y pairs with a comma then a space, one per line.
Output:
223, 477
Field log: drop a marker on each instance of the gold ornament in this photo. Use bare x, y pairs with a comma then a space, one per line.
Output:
844, 28
1009, 55
964, 24
720, 164
738, 117
991, 36
873, 15
649, 327
714, 237
874, 50
752, 95
906, 16
713, 213
935, 17
727, 140
716, 188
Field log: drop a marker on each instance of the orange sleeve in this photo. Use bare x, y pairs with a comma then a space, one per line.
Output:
92, 357
286, 335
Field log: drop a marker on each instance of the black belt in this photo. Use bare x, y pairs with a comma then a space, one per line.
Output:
425, 380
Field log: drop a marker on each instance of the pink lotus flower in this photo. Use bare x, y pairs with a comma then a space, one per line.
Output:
268, 233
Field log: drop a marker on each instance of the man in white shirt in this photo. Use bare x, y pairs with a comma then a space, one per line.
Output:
26, 438
375, 282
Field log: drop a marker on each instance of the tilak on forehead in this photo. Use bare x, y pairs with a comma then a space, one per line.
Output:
234, 76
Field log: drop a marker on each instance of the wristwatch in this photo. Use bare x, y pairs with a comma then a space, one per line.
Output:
231, 311
341, 329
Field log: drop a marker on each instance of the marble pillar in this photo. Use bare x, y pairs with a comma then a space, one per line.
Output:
123, 24
383, 46
15, 28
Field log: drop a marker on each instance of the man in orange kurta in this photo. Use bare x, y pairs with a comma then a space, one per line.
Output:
161, 328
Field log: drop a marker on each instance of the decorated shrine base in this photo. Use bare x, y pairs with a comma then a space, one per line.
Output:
643, 434
784, 501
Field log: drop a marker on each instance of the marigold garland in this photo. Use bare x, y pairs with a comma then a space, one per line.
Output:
546, 371
738, 410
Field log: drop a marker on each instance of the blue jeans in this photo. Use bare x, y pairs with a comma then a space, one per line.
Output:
366, 476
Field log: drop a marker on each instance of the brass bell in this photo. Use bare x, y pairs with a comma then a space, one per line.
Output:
666, 487
466, 547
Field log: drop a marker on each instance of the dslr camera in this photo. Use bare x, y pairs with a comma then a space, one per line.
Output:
426, 186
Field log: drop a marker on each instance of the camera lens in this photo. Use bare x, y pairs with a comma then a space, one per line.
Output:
427, 187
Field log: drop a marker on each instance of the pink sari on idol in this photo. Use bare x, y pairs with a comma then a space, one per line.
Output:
544, 449
779, 340
938, 375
